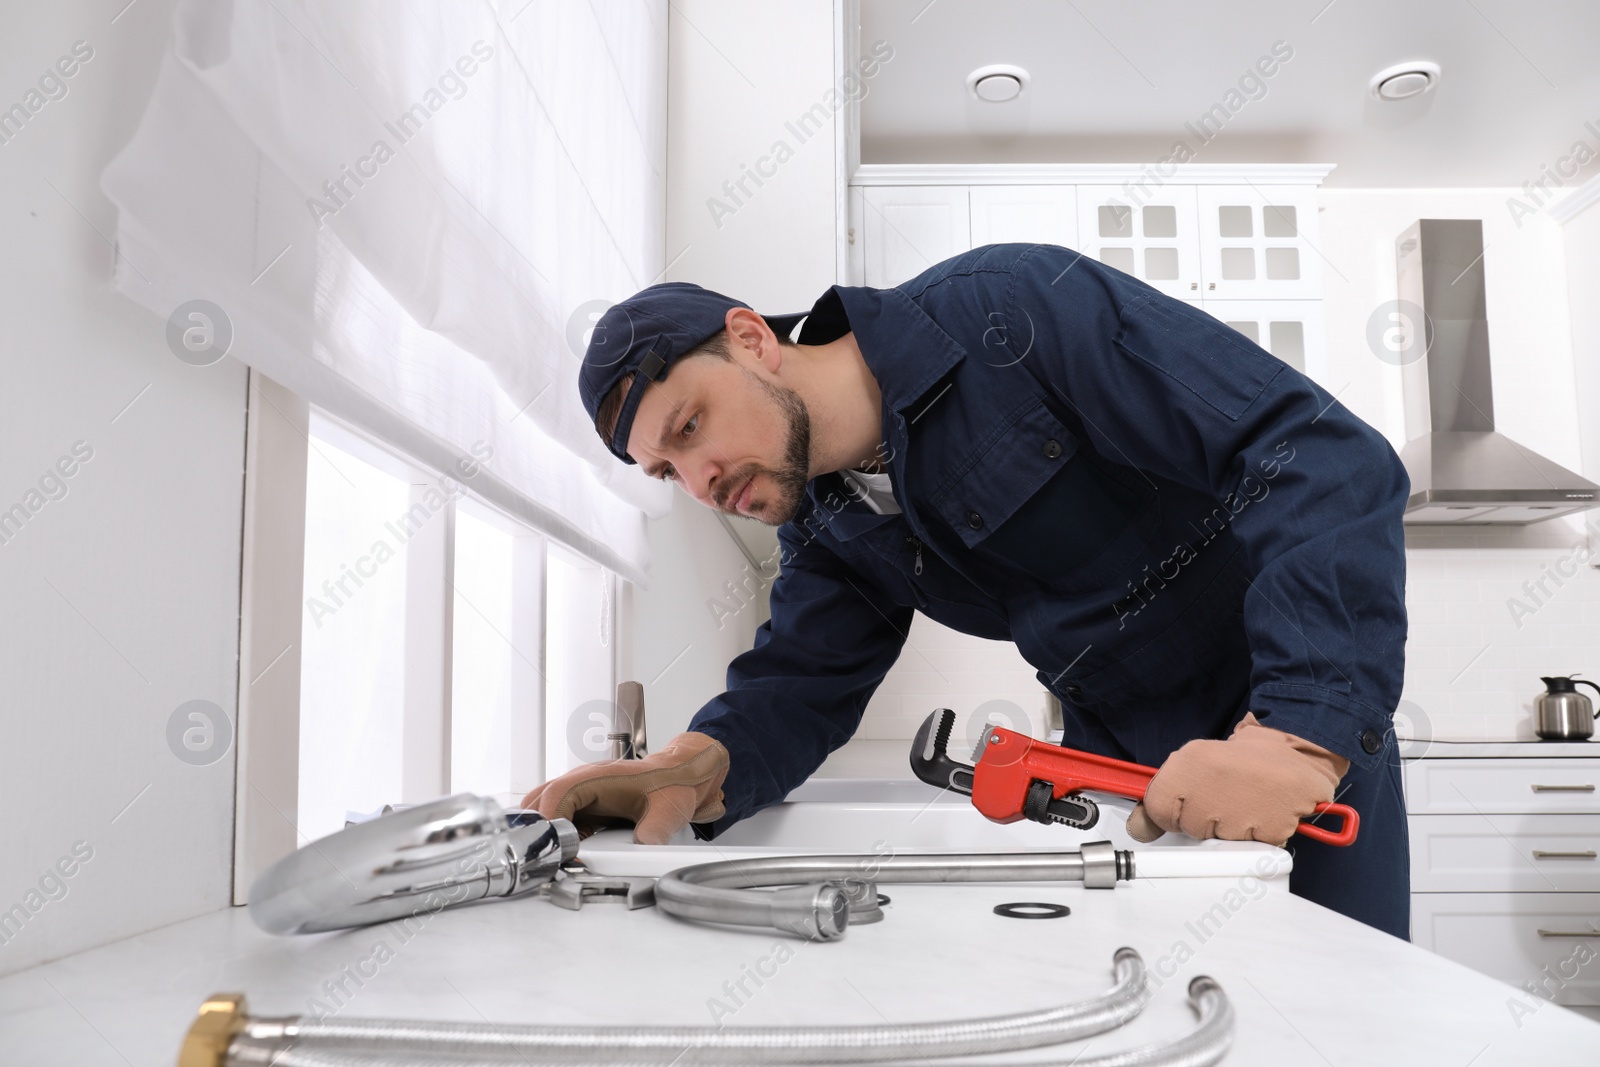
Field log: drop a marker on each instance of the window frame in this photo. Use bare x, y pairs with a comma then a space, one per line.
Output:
282, 434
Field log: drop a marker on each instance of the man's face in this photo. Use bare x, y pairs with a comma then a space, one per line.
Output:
732, 439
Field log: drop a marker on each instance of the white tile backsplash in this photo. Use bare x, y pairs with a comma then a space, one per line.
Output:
940, 668
1482, 630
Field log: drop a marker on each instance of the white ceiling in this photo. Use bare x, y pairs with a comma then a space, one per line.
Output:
1114, 82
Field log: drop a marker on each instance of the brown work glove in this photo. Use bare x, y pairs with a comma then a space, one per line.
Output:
1255, 786
660, 794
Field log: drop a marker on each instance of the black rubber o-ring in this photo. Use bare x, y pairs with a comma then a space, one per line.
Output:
1015, 910
882, 900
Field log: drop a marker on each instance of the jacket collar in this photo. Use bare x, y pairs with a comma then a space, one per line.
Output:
904, 348
907, 352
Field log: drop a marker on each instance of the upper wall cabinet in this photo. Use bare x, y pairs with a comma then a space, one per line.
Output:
1292, 330
909, 229
1031, 213
1259, 243
1153, 236
1206, 232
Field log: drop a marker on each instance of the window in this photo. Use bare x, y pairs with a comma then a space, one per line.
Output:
437, 632
497, 650
352, 692
581, 650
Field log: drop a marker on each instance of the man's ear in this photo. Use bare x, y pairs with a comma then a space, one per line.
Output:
750, 336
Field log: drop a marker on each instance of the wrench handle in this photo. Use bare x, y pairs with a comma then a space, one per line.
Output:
1345, 835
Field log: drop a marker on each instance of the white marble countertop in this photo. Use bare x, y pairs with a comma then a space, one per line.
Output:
1309, 986
1417, 748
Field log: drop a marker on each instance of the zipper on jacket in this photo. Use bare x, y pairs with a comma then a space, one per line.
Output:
911, 539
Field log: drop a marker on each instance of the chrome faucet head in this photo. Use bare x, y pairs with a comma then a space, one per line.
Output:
417, 860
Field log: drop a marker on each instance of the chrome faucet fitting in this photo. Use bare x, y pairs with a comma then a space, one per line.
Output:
447, 852
627, 734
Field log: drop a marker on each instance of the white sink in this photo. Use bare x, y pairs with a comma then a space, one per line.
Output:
880, 816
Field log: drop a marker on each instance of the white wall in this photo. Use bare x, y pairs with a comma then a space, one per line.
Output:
1582, 233
740, 75
121, 598
981, 681
737, 72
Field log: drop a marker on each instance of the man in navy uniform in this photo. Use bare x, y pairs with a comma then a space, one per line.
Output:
1199, 549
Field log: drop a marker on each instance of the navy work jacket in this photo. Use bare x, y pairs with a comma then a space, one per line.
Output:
1173, 526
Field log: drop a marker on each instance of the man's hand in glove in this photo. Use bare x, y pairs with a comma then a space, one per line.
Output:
660, 794
1255, 786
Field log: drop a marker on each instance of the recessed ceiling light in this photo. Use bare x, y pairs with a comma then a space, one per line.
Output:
997, 83
1404, 80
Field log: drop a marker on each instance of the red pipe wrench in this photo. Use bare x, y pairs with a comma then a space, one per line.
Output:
1013, 777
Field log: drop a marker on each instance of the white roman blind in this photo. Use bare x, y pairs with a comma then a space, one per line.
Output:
408, 212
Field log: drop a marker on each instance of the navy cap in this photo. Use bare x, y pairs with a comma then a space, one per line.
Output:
644, 335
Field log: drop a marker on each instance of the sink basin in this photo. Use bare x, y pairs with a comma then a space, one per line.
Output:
877, 816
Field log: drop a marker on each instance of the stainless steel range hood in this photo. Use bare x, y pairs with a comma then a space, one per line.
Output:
1461, 470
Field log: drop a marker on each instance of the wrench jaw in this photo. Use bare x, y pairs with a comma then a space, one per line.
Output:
930, 757
931, 763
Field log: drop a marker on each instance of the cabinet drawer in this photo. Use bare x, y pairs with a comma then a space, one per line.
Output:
1494, 786
1505, 853
1498, 934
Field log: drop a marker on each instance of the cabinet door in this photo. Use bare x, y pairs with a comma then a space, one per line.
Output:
909, 229
1036, 214
1155, 239
1543, 938
1290, 329
1259, 242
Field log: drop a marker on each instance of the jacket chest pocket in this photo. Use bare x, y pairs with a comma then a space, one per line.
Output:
1035, 500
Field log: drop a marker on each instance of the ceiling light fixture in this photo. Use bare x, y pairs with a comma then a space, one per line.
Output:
1404, 80
997, 83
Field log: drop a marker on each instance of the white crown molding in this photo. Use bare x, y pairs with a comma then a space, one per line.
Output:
1089, 173
1574, 203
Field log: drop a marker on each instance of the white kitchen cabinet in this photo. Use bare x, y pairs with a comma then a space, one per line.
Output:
1153, 235
1259, 243
1206, 232
1518, 853
1292, 330
910, 228
1505, 865
1468, 786
1028, 213
1542, 938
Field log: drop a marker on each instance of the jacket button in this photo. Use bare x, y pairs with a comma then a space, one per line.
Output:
974, 520
1371, 741
1052, 448
1073, 691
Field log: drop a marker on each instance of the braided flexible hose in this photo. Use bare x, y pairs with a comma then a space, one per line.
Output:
303, 1042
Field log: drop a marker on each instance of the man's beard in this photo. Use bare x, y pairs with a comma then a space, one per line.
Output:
792, 475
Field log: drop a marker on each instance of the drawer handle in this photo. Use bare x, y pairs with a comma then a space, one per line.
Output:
1587, 854
1563, 788
1568, 933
